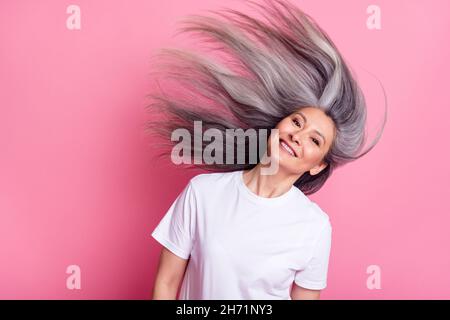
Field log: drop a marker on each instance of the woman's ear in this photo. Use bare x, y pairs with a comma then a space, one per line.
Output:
318, 168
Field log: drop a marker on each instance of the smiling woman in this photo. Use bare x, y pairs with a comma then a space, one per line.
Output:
244, 234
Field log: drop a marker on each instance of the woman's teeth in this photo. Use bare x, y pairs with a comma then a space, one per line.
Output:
287, 148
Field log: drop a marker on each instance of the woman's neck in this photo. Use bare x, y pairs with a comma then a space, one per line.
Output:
268, 186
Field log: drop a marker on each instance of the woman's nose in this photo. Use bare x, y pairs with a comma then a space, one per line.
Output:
295, 138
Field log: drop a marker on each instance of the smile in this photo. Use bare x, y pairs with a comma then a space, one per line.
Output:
287, 148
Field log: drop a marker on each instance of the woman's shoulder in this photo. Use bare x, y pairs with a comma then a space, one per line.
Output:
320, 214
312, 209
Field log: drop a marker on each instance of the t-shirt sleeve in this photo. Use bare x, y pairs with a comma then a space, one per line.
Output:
314, 276
177, 228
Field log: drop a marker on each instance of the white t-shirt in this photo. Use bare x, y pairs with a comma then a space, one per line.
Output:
243, 246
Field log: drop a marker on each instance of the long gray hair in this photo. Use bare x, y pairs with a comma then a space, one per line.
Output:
278, 66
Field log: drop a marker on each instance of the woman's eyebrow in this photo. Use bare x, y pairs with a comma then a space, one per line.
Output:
306, 121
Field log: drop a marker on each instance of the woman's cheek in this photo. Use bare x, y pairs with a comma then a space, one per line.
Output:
310, 155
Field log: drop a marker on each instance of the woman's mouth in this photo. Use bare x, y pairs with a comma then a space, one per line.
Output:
287, 148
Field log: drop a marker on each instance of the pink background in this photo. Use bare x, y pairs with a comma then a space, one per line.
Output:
78, 186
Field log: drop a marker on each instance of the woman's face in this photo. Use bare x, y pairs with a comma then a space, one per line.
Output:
305, 137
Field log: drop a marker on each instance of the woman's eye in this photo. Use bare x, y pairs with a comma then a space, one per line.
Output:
297, 123
315, 141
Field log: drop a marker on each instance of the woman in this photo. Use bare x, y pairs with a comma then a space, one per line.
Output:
238, 233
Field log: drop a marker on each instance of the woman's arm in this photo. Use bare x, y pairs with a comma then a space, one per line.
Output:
170, 272
299, 293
